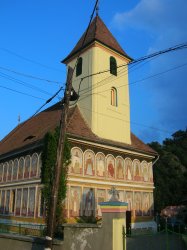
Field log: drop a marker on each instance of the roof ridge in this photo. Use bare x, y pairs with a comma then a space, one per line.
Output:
97, 31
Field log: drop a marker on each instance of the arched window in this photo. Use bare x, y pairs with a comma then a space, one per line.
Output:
15, 169
79, 67
34, 165
113, 66
20, 168
114, 101
27, 166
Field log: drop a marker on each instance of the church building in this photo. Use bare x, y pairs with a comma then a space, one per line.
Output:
105, 153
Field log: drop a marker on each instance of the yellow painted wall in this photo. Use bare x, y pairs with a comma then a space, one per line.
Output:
117, 233
105, 120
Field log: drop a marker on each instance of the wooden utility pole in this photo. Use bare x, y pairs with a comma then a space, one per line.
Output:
58, 165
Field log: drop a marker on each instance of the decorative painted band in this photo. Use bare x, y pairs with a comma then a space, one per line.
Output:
114, 204
113, 210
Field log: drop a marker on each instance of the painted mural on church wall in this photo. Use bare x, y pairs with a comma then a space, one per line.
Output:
21, 168
138, 203
100, 165
110, 162
128, 168
120, 172
109, 167
145, 171
101, 197
75, 201
89, 163
137, 171
88, 202
129, 200
146, 204
76, 166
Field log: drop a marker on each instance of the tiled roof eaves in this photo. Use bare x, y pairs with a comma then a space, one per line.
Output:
88, 44
29, 147
113, 144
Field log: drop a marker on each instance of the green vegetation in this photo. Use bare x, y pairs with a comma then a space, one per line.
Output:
170, 172
47, 173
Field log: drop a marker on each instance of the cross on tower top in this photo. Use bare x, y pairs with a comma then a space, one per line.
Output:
97, 9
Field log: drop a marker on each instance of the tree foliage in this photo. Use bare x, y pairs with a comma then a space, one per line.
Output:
47, 172
170, 172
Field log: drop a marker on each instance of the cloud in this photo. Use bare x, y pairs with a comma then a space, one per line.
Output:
165, 21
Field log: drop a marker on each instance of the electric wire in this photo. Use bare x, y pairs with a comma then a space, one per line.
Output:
29, 76
174, 48
135, 123
137, 81
35, 113
61, 87
29, 60
23, 93
28, 85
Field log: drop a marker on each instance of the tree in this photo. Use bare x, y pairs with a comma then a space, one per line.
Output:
47, 173
170, 171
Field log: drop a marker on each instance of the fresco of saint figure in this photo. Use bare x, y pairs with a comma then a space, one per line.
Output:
129, 200
24, 202
89, 163
75, 201
100, 165
76, 161
31, 207
1, 172
136, 167
5, 171
151, 172
18, 202
89, 202
137, 202
27, 166
7, 201
145, 172
146, 206
34, 165
10, 171
110, 167
20, 168
121, 195
128, 167
101, 194
119, 168
2, 202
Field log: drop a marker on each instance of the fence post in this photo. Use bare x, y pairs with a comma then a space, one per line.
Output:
166, 229
19, 228
124, 238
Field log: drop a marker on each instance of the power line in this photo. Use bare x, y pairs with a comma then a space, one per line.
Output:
13, 90
35, 113
137, 81
135, 123
171, 49
29, 76
29, 60
28, 85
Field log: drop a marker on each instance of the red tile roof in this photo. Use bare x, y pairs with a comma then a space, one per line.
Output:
97, 32
33, 130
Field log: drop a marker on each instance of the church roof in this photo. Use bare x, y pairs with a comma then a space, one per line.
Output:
31, 132
97, 32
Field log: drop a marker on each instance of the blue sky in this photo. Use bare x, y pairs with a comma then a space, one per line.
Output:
36, 35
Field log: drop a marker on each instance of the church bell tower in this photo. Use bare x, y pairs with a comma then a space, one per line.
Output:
101, 83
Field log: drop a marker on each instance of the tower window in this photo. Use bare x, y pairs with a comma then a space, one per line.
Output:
79, 67
114, 101
113, 66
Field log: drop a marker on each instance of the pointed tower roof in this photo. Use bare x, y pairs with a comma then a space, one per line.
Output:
97, 32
